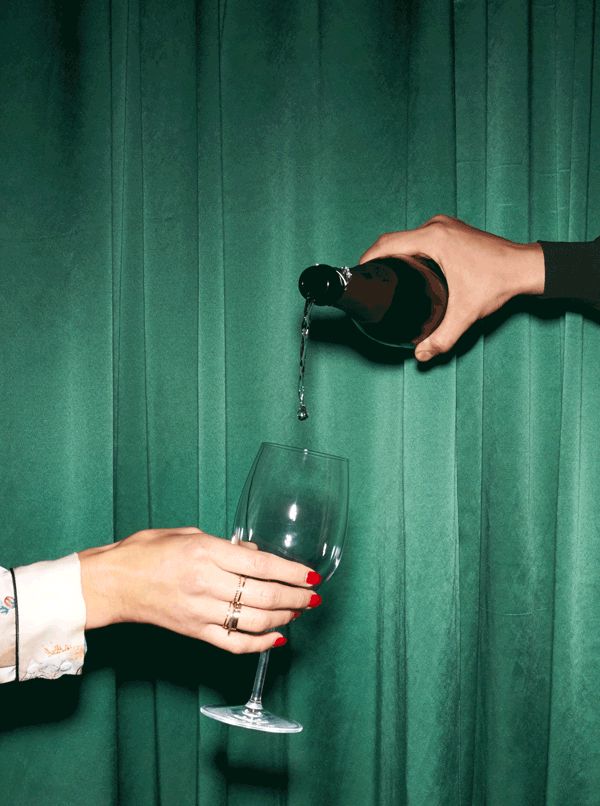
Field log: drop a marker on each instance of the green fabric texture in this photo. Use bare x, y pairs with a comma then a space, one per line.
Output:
167, 171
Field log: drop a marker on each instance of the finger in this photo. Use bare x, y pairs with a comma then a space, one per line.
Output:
223, 586
273, 596
409, 242
259, 621
250, 619
263, 565
176, 530
240, 642
445, 336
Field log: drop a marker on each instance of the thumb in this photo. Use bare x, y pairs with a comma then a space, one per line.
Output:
445, 336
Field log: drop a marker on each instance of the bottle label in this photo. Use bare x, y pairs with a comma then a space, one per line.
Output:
396, 300
369, 294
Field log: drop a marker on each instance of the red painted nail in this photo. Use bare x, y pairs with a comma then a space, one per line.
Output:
280, 641
297, 613
315, 600
312, 578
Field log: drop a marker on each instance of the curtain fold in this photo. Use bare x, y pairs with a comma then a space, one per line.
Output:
168, 170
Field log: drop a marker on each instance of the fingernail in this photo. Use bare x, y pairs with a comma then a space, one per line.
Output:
423, 355
280, 641
312, 578
297, 613
315, 600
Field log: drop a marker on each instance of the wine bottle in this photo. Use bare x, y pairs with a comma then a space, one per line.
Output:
396, 301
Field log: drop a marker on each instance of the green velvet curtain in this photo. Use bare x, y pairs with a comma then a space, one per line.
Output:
166, 171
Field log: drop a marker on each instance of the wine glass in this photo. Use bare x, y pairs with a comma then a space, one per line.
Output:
294, 504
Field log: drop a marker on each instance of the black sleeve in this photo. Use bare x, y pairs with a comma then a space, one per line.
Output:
572, 270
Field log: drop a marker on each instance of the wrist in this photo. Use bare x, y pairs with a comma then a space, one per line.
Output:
531, 270
101, 586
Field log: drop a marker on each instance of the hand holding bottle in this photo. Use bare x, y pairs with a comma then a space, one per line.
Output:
483, 272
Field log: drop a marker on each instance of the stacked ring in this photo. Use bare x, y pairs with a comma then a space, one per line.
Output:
235, 608
231, 619
239, 590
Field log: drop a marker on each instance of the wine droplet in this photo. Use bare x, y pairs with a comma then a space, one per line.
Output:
302, 412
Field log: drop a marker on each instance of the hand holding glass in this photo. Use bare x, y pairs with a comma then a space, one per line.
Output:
294, 504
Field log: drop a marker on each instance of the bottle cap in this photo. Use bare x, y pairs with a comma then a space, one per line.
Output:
321, 284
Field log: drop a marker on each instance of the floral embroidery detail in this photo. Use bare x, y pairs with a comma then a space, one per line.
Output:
75, 650
57, 649
6, 605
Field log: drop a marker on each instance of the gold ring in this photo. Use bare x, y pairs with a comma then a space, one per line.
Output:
232, 617
235, 607
239, 590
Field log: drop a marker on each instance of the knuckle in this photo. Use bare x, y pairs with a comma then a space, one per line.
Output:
437, 228
275, 598
440, 218
258, 563
256, 621
269, 596
208, 542
438, 235
198, 552
268, 622
264, 596
242, 644
441, 344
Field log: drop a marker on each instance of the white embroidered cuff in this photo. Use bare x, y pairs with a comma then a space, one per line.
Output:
7, 627
51, 618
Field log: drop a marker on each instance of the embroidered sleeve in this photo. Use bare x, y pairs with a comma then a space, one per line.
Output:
7, 627
51, 618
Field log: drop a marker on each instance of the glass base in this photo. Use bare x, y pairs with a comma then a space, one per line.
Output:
242, 716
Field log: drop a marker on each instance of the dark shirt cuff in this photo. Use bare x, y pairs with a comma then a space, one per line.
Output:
572, 270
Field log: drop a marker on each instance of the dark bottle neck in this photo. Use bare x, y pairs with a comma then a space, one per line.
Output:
322, 284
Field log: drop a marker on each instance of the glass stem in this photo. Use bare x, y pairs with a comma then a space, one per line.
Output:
255, 701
